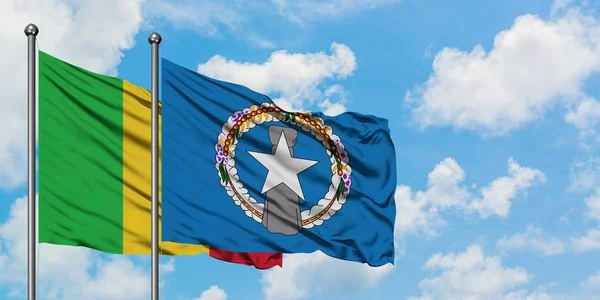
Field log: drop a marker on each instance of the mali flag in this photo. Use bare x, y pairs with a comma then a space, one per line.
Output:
95, 163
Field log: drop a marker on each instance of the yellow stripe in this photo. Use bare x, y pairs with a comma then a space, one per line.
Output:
136, 177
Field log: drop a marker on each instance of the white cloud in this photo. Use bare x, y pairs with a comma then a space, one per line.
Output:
202, 16
420, 211
585, 116
427, 53
496, 197
261, 42
524, 295
532, 66
332, 109
301, 11
77, 31
532, 239
589, 242
472, 275
559, 6
213, 293
593, 205
66, 272
307, 274
334, 101
235, 17
296, 78
167, 267
585, 174
593, 282
164, 269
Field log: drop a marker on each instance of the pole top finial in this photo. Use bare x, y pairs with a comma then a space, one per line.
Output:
154, 38
31, 29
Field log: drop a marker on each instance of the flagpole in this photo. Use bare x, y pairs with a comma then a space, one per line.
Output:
31, 31
154, 39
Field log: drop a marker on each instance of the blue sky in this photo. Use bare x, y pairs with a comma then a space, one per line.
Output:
492, 108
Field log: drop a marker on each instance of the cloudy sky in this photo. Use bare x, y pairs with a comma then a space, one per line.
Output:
492, 106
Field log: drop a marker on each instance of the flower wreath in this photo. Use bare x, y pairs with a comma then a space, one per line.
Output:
242, 121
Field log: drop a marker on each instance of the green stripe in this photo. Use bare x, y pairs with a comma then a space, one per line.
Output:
80, 157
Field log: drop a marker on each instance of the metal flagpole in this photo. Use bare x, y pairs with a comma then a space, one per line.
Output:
154, 41
31, 32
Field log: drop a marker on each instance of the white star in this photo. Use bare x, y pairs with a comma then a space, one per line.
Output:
283, 168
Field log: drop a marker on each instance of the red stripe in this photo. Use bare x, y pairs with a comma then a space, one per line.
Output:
260, 260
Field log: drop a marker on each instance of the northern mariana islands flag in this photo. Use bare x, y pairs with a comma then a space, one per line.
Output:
241, 174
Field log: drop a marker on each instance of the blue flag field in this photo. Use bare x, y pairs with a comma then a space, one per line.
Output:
241, 174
